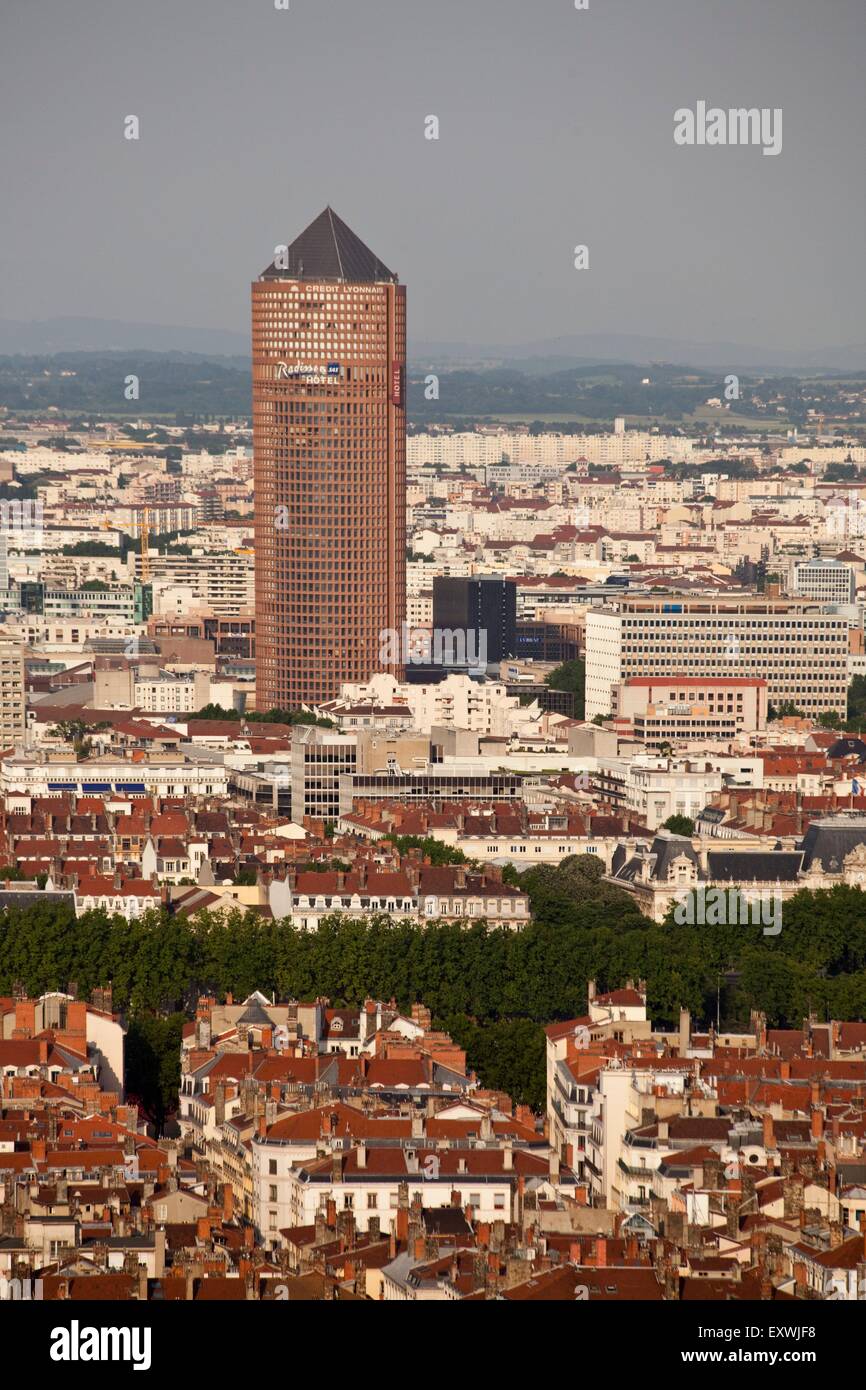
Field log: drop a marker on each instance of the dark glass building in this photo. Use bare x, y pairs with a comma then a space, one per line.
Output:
482, 607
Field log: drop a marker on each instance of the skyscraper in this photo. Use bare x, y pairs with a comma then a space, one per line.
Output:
484, 607
329, 438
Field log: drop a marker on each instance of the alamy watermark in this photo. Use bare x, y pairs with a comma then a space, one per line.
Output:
729, 907
736, 126
443, 646
77, 1343
23, 522
20, 1290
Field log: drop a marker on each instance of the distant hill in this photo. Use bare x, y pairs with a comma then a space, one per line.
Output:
621, 348
185, 385
190, 386
115, 335
582, 349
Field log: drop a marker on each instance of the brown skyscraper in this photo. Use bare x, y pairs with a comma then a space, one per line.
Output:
329, 438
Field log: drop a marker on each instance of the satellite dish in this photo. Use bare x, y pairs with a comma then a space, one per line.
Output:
281, 1038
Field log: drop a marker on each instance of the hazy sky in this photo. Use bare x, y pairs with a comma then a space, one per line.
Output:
556, 128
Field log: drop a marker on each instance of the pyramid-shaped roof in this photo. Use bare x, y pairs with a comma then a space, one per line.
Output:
329, 250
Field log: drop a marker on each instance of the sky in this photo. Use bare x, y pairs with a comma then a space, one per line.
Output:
556, 129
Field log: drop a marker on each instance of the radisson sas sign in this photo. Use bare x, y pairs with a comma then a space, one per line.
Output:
308, 372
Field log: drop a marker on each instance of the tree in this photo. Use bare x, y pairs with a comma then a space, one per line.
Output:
786, 710
153, 1064
493, 987
75, 731
434, 850
830, 719
680, 825
272, 716
856, 703
213, 711
571, 677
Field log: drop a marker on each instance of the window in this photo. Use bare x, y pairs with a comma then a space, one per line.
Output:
272, 1193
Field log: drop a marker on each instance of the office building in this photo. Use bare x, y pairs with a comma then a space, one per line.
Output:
329, 351
798, 648
482, 608
828, 581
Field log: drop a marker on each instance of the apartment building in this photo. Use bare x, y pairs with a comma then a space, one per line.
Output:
164, 775
131, 603
220, 581
483, 450
152, 689
369, 1181
86, 1029
619, 1017
458, 701
618, 1178
13, 721
796, 646
655, 789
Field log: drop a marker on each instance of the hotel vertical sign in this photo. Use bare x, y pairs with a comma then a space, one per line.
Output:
396, 383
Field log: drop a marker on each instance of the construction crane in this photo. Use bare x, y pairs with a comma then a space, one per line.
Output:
144, 537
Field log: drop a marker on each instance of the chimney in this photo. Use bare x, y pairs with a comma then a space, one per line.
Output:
817, 1123
685, 1031
769, 1134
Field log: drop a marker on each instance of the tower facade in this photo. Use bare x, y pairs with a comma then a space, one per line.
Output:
329, 442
